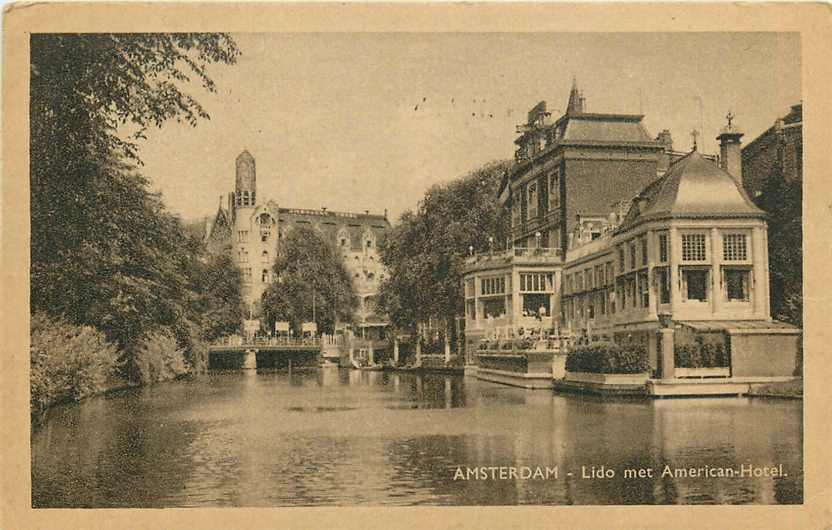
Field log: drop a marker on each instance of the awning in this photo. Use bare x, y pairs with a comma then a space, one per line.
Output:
742, 326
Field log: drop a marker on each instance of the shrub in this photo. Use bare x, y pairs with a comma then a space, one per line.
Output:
608, 358
700, 355
158, 358
67, 362
525, 343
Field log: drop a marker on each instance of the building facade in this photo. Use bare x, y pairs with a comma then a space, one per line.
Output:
612, 229
780, 146
252, 230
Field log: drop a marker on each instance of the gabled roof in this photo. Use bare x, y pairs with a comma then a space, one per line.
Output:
692, 187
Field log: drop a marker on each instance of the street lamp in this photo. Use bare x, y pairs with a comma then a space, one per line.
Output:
537, 236
490, 245
471, 250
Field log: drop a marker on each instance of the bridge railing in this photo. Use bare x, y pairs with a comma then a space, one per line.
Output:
237, 341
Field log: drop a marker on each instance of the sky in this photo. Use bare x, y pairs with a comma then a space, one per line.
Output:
369, 121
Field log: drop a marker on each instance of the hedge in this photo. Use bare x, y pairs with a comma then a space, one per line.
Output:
700, 355
608, 358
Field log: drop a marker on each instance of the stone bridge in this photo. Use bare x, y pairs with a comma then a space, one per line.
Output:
268, 352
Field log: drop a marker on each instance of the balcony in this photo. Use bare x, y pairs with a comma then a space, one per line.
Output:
516, 255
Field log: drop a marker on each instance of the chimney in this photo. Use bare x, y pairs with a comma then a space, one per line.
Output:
665, 139
730, 149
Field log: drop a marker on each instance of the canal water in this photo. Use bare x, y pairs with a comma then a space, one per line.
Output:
347, 437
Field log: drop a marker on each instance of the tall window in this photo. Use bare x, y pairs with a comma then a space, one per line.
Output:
662, 276
644, 250
644, 289
633, 255
695, 284
736, 284
693, 247
664, 250
734, 247
621, 262
554, 189
516, 209
532, 200
610, 274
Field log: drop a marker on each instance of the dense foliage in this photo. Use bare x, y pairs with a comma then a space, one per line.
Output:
312, 283
782, 200
158, 358
425, 251
608, 358
68, 362
700, 355
105, 252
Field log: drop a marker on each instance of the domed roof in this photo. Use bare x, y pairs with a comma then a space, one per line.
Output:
692, 187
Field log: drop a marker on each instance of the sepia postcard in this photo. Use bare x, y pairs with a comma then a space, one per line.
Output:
369, 265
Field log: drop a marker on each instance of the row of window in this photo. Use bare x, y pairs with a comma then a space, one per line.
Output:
595, 277
246, 198
537, 282
265, 275
493, 285
532, 305
634, 254
528, 195
633, 291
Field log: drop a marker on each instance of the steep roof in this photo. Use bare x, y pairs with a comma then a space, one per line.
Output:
692, 187
606, 128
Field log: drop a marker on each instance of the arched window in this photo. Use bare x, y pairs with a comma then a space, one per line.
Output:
343, 238
265, 276
266, 222
369, 239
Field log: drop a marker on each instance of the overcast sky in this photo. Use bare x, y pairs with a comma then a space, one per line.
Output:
369, 121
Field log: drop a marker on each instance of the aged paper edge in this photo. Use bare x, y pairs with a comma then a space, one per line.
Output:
812, 21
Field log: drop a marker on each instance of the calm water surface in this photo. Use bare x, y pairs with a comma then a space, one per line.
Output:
339, 437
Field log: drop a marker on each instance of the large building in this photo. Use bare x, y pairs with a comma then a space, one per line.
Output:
612, 229
252, 229
780, 147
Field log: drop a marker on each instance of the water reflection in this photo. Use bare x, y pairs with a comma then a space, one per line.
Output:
346, 437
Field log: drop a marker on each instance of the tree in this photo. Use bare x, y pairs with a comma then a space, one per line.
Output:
104, 251
312, 283
782, 200
425, 252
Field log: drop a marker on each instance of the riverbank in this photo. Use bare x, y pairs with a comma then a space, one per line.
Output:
115, 385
